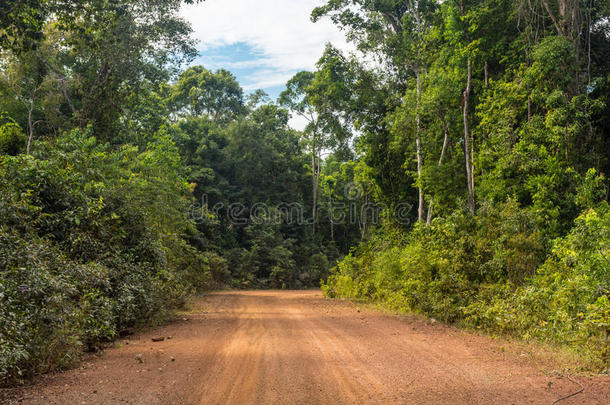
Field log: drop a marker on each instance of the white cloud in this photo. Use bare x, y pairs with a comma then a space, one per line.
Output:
266, 78
298, 122
280, 31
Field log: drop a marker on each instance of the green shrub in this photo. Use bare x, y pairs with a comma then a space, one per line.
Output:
489, 272
52, 308
12, 139
272, 260
92, 242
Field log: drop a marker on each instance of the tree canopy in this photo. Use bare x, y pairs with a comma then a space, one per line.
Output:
455, 164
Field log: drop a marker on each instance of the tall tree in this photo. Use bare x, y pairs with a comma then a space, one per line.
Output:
199, 91
102, 51
297, 98
392, 32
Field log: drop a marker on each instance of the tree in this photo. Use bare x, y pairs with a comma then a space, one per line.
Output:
21, 23
27, 78
297, 98
199, 91
393, 32
98, 52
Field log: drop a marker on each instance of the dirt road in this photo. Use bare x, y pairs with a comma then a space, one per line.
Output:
272, 347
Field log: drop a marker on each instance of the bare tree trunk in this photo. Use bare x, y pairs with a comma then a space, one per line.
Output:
420, 208
315, 172
64, 90
556, 23
440, 162
486, 74
567, 23
363, 218
467, 146
429, 217
332, 222
472, 166
314, 188
67, 97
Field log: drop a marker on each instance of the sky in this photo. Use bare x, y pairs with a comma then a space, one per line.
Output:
263, 42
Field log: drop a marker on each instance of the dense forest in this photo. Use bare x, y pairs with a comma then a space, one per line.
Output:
453, 165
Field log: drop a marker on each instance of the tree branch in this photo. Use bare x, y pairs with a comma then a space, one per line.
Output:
553, 18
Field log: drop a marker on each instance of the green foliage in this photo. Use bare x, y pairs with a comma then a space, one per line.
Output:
21, 23
122, 146
566, 301
248, 174
488, 272
92, 58
92, 242
517, 96
271, 260
199, 91
111, 219
12, 139
52, 307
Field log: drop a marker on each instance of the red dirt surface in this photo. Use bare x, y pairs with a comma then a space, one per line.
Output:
295, 347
